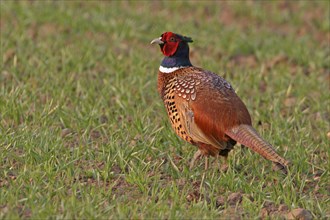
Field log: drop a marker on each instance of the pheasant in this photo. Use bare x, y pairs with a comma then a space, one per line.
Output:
203, 107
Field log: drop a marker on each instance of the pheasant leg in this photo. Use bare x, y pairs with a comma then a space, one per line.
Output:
222, 167
206, 163
225, 164
217, 158
206, 168
197, 155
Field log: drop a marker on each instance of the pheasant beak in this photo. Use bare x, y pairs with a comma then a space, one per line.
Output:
157, 41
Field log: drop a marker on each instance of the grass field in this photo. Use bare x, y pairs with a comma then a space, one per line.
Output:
84, 134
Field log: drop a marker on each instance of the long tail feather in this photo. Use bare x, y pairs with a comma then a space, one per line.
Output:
249, 137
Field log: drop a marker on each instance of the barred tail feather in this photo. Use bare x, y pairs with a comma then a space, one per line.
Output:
248, 136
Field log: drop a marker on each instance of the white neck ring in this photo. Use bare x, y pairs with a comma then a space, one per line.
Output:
169, 69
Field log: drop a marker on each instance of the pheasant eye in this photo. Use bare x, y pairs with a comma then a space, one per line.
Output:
172, 39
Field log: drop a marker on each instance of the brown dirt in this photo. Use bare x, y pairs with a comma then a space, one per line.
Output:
300, 214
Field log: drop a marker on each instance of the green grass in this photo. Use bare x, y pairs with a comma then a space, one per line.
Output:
84, 134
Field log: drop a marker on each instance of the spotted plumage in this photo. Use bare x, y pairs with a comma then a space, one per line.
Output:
169, 94
203, 107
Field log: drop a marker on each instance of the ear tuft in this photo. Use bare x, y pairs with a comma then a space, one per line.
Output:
187, 39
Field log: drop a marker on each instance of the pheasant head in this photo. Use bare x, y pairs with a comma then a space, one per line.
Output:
175, 48
171, 43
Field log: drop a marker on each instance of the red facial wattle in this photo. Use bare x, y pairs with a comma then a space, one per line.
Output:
171, 43
170, 49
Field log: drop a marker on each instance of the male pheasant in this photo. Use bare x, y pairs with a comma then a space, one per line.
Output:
203, 107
